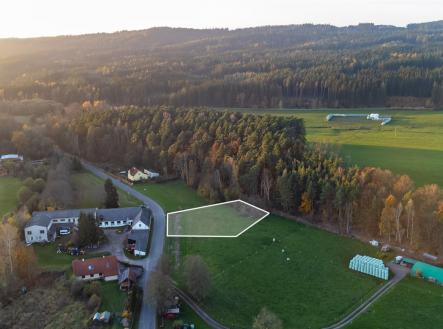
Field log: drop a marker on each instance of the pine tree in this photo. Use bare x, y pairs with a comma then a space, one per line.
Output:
111, 199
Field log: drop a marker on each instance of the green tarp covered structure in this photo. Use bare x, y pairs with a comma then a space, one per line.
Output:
428, 272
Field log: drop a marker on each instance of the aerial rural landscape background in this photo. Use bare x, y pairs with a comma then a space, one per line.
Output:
212, 174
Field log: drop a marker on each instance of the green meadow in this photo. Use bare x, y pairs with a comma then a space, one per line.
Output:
412, 304
8, 194
309, 278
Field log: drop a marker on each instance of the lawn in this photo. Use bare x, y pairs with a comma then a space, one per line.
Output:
225, 219
8, 194
312, 289
412, 304
411, 144
90, 192
49, 260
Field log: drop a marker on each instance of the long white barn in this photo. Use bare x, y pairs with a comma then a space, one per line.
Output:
44, 225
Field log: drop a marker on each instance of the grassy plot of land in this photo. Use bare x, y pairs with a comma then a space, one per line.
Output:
8, 194
424, 166
172, 196
412, 304
90, 192
312, 289
224, 219
411, 144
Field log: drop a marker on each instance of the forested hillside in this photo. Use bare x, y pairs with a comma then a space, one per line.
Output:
280, 66
264, 159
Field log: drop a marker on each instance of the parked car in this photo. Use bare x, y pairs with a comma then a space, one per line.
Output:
188, 326
65, 231
171, 313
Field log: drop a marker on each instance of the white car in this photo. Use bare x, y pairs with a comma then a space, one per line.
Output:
65, 231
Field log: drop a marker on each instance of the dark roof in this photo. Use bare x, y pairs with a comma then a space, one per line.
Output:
134, 213
144, 215
43, 218
141, 213
127, 275
107, 265
141, 238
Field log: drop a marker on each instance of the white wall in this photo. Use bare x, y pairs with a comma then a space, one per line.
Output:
36, 234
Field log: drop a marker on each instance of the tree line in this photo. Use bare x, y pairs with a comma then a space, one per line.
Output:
226, 155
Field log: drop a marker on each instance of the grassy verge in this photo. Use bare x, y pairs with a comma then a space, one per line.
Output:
412, 304
188, 316
8, 194
173, 195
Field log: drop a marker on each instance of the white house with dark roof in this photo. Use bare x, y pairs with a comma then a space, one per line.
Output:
44, 225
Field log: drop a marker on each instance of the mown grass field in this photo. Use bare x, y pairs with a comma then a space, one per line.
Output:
312, 289
412, 304
411, 144
89, 190
8, 194
217, 220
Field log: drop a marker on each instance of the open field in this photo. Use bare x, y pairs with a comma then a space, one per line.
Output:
172, 196
313, 289
226, 219
411, 144
90, 192
8, 194
412, 304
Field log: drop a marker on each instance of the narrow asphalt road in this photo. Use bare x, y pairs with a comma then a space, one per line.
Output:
148, 318
399, 273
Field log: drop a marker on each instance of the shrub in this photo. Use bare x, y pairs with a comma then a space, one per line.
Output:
92, 288
93, 302
77, 288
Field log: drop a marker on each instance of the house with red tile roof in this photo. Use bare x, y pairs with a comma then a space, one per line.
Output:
105, 268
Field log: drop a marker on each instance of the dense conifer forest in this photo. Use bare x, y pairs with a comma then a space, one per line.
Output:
280, 66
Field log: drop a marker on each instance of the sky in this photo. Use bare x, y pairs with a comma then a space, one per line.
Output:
30, 18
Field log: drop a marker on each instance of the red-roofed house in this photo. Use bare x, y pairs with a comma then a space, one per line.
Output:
105, 267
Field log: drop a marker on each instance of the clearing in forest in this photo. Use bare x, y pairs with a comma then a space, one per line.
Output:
222, 220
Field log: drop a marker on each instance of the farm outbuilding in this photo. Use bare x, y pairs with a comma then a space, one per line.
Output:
369, 265
428, 272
